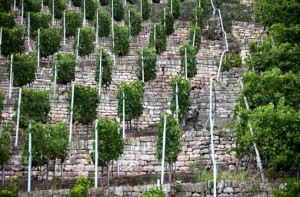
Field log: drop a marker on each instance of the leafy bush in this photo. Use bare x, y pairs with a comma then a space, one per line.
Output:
175, 8
80, 189
149, 58
191, 60
230, 61
1, 103
30, 5
59, 7
198, 16
86, 41
145, 8
106, 68
122, 41
169, 21
65, 65
173, 135
135, 21
292, 189
85, 103
73, 22
39, 20
285, 34
154, 192
4, 146
104, 2
24, 67
77, 3
118, 10
12, 189
5, 5
134, 95
7, 19
160, 43
104, 23
184, 91
12, 41
35, 106
197, 31
49, 41
110, 141
91, 7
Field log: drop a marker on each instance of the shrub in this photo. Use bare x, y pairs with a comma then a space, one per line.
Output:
85, 103
80, 189
149, 57
198, 15
118, 10
7, 19
145, 8
154, 192
39, 20
197, 31
59, 7
35, 106
12, 189
30, 5
169, 21
86, 41
106, 66
122, 41
49, 41
65, 65
191, 60
4, 146
24, 67
104, 23
91, 7
132, 1
135, 21
12, 41
77, 3
160, 43
283, 34
230, 61
175, 8
292, 189
104, 2
73, 22
1, 103
5, 5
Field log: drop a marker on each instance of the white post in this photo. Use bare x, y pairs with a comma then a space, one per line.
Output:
100, 75
154, 35
164, 17
123, 114
38, 48
172, 6
10, 76
194, 38
0, 40
64, 21
97, 28
77, 44
71, 114
196, 17
185, 63
96, 153
29, 161
55, 77
18, 116
129, 25
28, 32
141, 8
143, 72
163, 152
42, 4
22, 12
112, 24
52, 12
84, 13
15, 4
176, 100
199, 3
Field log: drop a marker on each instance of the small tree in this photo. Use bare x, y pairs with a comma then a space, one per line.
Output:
12, 41
122, 41
104, 23
59, 7
175, 8
73, 22
106, 67
198, 15
118, 10
49, 41
135, 21
86, 41
7, 19
230, 61
30, 5
4, 148
65, 65
24, 67
169, 21
145, 8
197, 31
148, 56
191, 60
160, 42
90, 8
39, 20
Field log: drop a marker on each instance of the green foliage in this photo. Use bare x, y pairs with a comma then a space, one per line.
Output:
191, 60
173, 135
160, 43
110, 142
198, 16
59, 7
7, 19
85, 103
106, 68
73, 22
39, 20
198, 168
80, 189
35, 106
122, 41
4, 146
169, 21
104, 23
292, 189
149, 57
77, 3
104, 2
86, 41
135, 21
146, 9
12, 41
65, 65
30, 5
49, 41
285, 34
5, 5
1, 103
118, 10
175, 8
134, 95
230, 61
184, 91
12, 189
132, 1
91, 7
24, 67
197, 31
153, 192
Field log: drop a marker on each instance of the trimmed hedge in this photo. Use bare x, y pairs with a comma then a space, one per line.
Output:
59, 7
49, 41
149, 57
122, 41
104, 23
160, 43
65, 65
91, 7
73, 22
169, 21
118, 10
191, 60
86, 41
135, 21
12, 41
39, 20
197, 43
106, 68
7, 19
